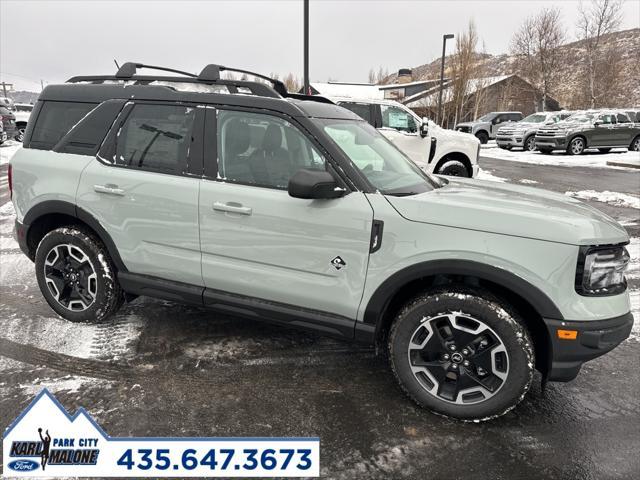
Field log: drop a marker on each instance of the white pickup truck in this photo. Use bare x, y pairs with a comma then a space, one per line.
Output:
434, 149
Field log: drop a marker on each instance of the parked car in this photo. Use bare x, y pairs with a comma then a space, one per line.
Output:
432, 148
8, 120
291, 209
603, 130
486, 127
3, 134
22, 112
522, 134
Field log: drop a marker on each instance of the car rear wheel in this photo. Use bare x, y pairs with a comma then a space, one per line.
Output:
530, 143
635, 145
483, 137
453, 168
576, 146
20, 133
461, 353
604, 150
76, 276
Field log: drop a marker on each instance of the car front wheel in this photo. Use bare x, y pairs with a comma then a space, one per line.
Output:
635, 145
576, 146
530, 144
20, 133
76, 276
461, 353
453, 168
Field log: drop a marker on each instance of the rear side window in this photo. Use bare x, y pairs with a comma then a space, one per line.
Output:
55, 120
156, 137
622, 118
361, 109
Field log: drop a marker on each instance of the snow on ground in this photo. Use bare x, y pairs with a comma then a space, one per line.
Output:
612, 198
7, 150
484, 175
592, 158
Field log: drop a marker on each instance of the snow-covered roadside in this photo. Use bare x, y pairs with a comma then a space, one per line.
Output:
7, 150
589, 159
612, 198
484, 175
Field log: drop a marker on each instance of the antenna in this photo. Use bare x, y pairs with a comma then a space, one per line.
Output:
116, 62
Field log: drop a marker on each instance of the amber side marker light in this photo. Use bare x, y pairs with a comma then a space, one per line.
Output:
567, 334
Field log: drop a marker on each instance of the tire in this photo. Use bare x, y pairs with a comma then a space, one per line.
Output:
635, 145
20, 135
69, 255
453, 168
433, 321
576, 146
483, 137
604, 150
529, 144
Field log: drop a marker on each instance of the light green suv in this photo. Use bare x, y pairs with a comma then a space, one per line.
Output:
245, 198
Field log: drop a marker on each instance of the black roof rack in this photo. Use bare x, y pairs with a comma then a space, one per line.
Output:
209, 75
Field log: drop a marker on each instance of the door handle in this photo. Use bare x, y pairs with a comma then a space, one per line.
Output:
109, 188
231, 207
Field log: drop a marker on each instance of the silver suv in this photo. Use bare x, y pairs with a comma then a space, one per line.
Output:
486, 127
242, 197
522, 134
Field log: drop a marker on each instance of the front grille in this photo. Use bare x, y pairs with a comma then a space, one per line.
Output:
547, 132
506, 131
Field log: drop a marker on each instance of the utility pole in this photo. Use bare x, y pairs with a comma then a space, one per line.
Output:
307, 88
4, 88
444, 46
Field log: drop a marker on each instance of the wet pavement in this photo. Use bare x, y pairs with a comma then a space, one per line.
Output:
163, 369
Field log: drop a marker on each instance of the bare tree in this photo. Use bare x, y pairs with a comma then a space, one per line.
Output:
291, 82
381, 75
596, 19
372, 76
536, 46
463, 67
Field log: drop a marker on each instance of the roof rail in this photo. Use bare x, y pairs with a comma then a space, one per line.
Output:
209, 74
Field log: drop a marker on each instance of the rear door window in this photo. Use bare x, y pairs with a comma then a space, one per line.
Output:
55, 120
156, 138
363, 110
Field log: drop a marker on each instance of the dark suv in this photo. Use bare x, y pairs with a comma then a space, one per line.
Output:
603, 130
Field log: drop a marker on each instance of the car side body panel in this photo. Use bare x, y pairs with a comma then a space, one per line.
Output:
547, 266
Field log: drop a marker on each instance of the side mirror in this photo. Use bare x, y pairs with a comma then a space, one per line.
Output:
598, 122
314, 184
424, 129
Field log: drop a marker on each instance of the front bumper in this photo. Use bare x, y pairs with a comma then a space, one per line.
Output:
551, 143
509, 140
593, 339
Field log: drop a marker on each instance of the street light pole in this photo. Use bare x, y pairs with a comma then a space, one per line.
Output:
306, 48
444, 46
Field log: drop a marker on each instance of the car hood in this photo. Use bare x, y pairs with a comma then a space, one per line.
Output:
511, 210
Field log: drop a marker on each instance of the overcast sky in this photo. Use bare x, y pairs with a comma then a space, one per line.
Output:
54, 40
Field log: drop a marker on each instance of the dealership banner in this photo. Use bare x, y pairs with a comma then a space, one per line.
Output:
46, 441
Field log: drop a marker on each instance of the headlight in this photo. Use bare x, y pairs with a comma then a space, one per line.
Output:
601, 270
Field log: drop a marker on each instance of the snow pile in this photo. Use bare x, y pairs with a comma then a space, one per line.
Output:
612, 198
592, 158
484, 175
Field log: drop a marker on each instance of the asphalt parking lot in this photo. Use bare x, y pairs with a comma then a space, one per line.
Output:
163, 369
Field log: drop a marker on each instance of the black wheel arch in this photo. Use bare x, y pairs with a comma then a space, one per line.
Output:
50, 214
529, 301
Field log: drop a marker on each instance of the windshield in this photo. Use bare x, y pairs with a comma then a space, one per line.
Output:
486, 118
580, 117
534, 118
384, 165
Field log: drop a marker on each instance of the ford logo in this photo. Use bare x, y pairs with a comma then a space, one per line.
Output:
23, 465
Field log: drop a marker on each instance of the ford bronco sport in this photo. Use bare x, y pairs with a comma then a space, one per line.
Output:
240, 196
486, 127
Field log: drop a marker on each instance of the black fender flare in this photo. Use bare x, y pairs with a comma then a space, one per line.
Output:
49, 207
381, 298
